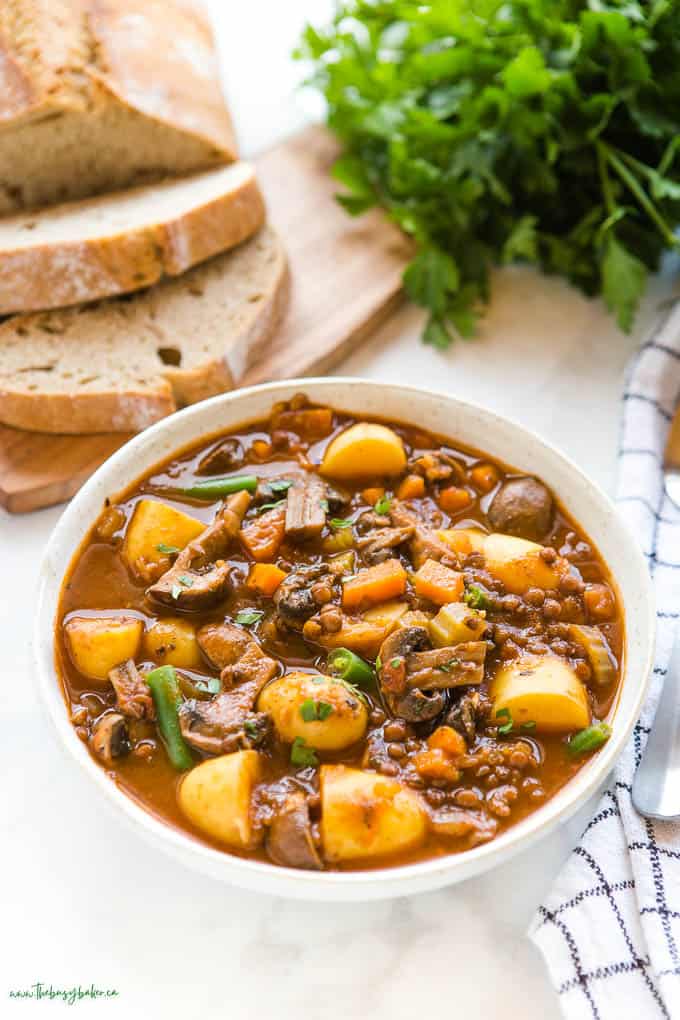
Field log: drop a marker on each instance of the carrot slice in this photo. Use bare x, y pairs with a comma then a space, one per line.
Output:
265, 578
438, 583
263, 536
412, 487
375, 584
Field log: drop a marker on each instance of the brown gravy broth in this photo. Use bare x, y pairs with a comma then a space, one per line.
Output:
494, 777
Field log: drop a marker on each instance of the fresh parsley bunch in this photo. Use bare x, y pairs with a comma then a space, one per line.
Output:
492, 130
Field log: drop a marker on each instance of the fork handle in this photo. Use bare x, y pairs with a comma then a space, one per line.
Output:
656, 787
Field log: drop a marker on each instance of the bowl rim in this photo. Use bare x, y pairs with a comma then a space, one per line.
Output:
291, 882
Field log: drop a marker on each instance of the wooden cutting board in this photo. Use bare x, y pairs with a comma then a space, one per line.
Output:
346, 279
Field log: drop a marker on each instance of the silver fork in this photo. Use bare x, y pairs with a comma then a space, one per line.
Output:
656, 787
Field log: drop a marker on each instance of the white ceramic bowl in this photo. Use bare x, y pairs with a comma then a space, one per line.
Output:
461, 422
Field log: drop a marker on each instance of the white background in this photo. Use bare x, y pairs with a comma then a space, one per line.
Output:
83, 900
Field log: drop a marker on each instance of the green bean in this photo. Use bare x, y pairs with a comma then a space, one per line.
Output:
350, 667
214, 488
589, 739
167, 699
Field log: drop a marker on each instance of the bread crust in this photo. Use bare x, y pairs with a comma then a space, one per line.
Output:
72, 270
137, 405
81, 62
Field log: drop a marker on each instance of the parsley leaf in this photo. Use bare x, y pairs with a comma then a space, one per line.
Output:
475, 598
270, 506
504, 713
383, 505
544, 131
302, 755
182, 582
167, 550
623, 282
340, 522
247, 617
280, 484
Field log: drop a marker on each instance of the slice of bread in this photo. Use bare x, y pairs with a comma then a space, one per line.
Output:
99, 247
121, 364
97, 96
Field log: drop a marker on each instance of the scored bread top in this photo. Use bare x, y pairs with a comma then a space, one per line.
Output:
112, 244
97, 96
121, 364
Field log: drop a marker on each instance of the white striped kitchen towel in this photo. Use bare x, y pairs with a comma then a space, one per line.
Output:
610, 928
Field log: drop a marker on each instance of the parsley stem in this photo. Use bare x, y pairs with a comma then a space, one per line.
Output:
639, 193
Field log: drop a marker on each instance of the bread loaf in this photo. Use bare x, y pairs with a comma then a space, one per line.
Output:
121, 364
113, 244
98, 95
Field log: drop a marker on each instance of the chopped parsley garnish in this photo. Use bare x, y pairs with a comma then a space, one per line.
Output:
280, 485
446, 667
382, 505
270, 506
302, 755
313, 711
167, 550
475, 598
323, 503
211, 685
504, 713
394, 663
182, 582
340, 522
250, 729
247, 617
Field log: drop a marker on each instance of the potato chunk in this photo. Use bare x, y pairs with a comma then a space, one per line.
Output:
172, 642
153, 525
364, 450
366, 815
97, 644
518, 564
387, 614
455, 623
322, 710
544, 690
463, 540
216, 794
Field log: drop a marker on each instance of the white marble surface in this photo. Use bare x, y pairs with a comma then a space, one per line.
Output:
84, 900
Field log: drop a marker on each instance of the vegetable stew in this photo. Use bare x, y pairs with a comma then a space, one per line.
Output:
334, 643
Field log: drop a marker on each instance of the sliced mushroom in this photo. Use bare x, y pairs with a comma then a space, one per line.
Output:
199, 576
522, 507
413, 704
442, 668
226, 456
133, 695
436, 466
236, 653
469, 713
225, 724
377, 540
295, 598
474, 826
306, 509
109, 738
425, 543
290, 841
228, 722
